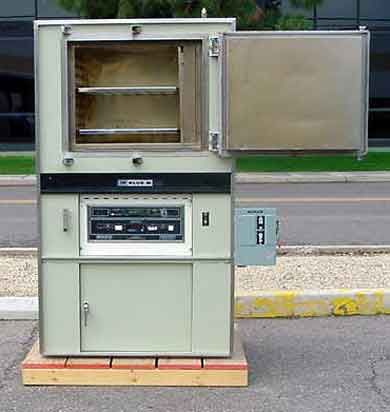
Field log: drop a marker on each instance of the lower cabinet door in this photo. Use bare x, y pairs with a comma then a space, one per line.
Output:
136, 307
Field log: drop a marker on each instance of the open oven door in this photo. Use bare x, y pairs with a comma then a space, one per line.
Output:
294, 91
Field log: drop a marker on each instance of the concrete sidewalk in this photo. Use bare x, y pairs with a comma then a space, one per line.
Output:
319, 177
18, 308
17, 180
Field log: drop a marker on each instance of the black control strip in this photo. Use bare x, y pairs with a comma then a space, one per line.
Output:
135, 183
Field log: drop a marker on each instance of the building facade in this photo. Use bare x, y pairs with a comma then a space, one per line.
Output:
17, 69
16, 60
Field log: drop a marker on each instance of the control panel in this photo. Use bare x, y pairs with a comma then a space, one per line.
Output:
256, 235
135, 223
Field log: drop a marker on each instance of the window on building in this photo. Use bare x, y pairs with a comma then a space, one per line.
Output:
345, 9
336, 24
379, 121
16, 84
375, 9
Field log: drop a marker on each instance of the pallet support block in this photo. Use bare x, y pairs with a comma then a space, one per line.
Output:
105, 371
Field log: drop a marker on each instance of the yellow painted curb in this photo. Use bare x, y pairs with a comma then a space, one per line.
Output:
311, 303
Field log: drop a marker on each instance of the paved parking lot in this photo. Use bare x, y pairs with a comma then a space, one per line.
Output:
299, 365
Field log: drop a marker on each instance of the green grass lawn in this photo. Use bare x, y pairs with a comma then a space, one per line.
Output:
374, 161
17, 165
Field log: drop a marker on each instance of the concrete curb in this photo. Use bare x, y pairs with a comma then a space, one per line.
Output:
307, 250
267, 304
319, 177
18, 308
18, 251
312, 303
17, 180
326, 250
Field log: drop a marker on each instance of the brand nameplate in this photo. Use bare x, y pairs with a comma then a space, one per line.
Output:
135, 183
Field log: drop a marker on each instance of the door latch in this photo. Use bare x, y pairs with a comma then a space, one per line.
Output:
86, 313
66, 220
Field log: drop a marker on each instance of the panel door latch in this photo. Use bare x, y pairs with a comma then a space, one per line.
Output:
66, 217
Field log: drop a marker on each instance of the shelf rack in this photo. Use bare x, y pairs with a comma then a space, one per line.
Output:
133, 90
146, 130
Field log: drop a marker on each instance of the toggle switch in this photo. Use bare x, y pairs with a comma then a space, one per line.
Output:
205, 218
260, 222
260, 238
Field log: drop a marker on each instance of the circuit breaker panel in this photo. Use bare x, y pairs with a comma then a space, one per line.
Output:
256, 236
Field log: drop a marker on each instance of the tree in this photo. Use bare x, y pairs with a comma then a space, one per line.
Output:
248, 13
293, 23
93, 9
144, 8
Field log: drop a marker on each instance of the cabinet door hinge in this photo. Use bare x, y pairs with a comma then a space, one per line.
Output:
214, 46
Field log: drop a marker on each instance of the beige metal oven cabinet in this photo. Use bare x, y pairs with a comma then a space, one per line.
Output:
138, 123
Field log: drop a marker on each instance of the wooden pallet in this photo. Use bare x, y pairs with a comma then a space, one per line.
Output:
107, 371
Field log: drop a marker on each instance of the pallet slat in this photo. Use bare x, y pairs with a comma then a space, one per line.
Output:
179, 363
133, 363
120, 377
88, 363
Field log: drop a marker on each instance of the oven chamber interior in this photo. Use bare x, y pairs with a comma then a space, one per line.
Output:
127, 94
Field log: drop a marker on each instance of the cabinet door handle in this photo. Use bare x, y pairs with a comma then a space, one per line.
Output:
86, 312
66, 218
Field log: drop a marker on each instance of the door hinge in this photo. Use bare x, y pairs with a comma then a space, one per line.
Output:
214, 46
214, 141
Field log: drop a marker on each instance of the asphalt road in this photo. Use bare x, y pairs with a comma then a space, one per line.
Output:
298, 365
315, 214
18, 217
326, 213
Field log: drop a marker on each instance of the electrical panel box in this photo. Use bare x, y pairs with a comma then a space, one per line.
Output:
256, 236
